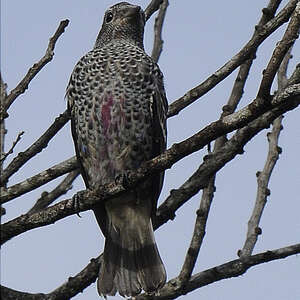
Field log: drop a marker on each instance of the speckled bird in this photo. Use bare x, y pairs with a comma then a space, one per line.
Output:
118, 107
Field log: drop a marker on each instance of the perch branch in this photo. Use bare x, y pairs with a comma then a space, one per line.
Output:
212, 163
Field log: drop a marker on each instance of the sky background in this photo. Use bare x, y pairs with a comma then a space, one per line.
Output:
199, 37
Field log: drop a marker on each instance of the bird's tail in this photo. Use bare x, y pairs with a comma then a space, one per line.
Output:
131, 261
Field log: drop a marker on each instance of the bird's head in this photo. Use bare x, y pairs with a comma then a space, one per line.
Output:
122, 21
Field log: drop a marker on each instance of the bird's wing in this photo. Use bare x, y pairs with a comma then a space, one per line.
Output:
159, 116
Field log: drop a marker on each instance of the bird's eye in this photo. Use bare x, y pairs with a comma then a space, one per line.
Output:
109, 17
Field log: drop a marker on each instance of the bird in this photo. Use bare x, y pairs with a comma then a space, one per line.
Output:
118, 110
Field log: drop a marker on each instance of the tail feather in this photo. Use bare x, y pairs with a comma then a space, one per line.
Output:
131, 261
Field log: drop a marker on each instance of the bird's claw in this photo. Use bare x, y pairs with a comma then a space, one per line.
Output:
122, 178
76, 202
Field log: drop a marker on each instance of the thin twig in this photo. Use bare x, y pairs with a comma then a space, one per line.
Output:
11, 150
33, 71
77, 283
198, 234
152, 8
38, 180
158, 25
47, 198
240, 81
265, 31
263, 177
36, 147
3, 94
282, 79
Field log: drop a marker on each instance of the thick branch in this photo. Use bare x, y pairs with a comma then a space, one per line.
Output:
38, 180
35, 148
234, 62
33, 71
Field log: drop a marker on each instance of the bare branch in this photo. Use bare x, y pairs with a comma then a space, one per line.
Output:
199, 232
171, 290
208, 192
212, 163
263, 177
33, 71
262, 192
11, 150
158, 25
38, 180
3, 132
152, 8
78, 283
47, 198
282, 79
35, 148
10, 294
234, 62
295, 77
3, 94
249, 121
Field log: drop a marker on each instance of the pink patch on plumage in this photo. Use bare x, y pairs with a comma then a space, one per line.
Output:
106, 113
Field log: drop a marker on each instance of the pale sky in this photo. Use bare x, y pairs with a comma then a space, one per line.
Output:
199, 37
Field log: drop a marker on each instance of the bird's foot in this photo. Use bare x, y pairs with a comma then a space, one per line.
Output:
122, 178
76, 202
